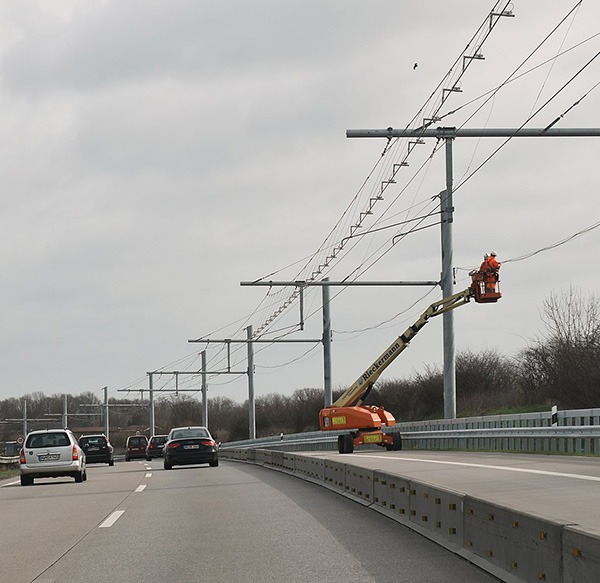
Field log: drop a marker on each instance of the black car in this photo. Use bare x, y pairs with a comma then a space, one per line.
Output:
97, 449
190, 445
155, 446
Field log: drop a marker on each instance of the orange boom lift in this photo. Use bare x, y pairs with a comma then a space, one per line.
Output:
366, 421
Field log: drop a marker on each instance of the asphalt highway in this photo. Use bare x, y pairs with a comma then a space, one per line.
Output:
236, 523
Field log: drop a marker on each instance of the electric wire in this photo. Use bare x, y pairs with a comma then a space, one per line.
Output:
553, 61
324, 251
541, 108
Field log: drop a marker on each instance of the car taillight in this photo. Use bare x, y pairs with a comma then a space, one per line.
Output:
173, 444
22, 459
208, 442
151, 446
75, 453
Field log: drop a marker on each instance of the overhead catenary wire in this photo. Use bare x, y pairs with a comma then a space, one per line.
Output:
325, 263
270, 301
541, 108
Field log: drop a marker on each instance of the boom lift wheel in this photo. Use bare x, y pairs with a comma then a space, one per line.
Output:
397, 445
345, 443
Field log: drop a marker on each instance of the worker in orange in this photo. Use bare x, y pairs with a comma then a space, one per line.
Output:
490, 268
484, 264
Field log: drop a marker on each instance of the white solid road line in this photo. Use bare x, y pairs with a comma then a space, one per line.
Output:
112, 519
488, 467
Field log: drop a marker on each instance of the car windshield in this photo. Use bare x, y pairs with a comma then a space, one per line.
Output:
190, 432
47, 440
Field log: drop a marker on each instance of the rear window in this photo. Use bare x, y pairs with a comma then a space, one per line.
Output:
98, 441
137, 441
59, 439
159, 440
191, 432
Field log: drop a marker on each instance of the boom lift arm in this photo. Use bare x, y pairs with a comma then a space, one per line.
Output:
366, 421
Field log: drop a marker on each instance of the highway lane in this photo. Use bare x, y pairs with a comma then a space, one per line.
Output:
561, 488
40, 523
136, 522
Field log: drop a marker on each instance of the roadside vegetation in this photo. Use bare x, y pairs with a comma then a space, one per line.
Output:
8, 472
561, 368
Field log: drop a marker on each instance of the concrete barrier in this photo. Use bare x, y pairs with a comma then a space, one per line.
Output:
525, 546
514, 546
391, 495
311, 468
359, 483
580, 555
335, 475
437, 511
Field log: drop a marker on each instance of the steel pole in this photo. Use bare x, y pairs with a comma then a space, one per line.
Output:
65, 419
328, 397
447, 210
106, 422
151, 400
204, 391
251, 406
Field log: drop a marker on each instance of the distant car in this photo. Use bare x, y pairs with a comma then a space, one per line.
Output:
135, 447
52, 453
155, 446
97, 449
190, 445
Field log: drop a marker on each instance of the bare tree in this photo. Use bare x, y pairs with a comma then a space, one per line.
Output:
485, 381
564, 367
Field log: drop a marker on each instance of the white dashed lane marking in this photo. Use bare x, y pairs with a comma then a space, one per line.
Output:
112, 519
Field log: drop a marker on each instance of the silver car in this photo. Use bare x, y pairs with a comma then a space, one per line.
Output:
52, 453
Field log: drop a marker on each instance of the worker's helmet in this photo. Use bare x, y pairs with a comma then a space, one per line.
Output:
493, 254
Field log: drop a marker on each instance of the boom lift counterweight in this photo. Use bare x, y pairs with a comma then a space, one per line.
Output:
366, 421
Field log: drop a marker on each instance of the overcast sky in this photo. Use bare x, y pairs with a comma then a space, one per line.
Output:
157, 154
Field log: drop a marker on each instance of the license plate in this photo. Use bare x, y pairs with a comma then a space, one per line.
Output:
49, 457
93, 449
373, 438
195, 446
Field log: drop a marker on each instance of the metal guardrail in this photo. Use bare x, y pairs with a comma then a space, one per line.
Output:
576, 432
8, 461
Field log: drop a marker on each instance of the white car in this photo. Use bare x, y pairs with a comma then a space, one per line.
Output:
52, 453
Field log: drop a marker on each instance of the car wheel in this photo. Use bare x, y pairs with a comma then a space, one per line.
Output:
126, 459
167, 466
26, 481
78, 477
148, 459
85, 476
214, 463
111, 463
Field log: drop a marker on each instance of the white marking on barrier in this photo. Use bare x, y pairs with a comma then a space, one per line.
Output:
141, 488
487, 467
112, 519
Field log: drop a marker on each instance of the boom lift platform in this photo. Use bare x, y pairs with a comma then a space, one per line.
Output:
366, 421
